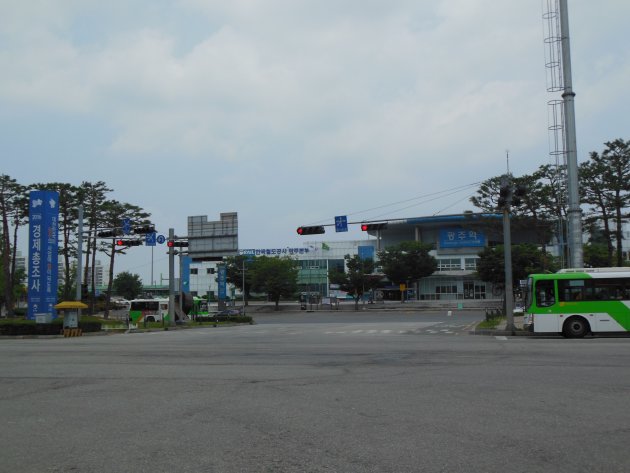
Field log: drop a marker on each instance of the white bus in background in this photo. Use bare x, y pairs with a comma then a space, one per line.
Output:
148, 310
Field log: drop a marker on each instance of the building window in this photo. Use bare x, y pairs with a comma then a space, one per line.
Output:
193, 270
210, 271
449, 264
470, 263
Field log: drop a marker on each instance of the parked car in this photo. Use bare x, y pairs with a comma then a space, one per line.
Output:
229, 313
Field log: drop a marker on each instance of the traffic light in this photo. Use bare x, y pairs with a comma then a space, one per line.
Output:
177, 243
505, 193
518, 195
128, 242
311, 230
143, 230
106, 234
368, 227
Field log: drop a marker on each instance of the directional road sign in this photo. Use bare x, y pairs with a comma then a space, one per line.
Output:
126, 226
150, 238
161, 239
341, 223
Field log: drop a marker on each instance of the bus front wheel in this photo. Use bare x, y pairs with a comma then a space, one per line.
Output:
575, 327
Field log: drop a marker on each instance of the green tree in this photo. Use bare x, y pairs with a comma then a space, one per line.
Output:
538, 210
358, 278
112, 215
526, 259
10, 209
407, 262
596, 255
92, 196
127, 285
605, 185
234, 272
277, 277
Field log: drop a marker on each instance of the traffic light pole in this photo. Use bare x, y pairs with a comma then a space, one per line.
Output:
507, 254
171, 279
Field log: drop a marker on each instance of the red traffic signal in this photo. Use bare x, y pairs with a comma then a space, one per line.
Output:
311, 230
368, 227
176, 243
128, 242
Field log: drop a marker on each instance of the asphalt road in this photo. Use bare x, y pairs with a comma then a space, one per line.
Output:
307, 392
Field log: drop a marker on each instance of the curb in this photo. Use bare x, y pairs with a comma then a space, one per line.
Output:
504, 333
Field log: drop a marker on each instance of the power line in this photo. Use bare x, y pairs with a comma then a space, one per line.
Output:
429, 198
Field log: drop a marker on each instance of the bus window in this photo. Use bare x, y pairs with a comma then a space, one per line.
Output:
571, 290
545, 294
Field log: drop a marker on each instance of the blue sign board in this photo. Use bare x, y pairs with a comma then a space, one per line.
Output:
222, 280
161, 239
150, 238
185, 274
457, 237
366, 252
341, 223
43, 250
126, 226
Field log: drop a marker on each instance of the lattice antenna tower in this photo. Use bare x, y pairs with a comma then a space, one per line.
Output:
555, 107
561, 121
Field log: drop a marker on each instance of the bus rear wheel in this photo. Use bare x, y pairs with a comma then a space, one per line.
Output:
575, 327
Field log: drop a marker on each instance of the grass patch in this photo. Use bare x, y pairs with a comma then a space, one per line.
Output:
491, 322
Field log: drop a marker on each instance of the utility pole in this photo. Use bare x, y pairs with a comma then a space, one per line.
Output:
508, 196
171, 279
507, 255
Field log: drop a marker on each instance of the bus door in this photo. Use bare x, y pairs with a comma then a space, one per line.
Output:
545, 318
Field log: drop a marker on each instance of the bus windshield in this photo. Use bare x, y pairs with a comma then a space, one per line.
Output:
529, 293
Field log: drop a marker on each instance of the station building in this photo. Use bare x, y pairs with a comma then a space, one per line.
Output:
456, 241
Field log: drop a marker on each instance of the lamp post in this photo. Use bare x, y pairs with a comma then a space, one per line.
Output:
243, 285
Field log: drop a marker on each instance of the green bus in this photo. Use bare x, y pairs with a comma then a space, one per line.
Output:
576, 302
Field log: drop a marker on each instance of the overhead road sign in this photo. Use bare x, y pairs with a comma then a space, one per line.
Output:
341, 223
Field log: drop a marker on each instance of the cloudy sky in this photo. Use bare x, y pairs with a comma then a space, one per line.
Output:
291, 112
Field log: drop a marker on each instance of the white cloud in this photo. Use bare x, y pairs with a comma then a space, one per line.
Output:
312, 106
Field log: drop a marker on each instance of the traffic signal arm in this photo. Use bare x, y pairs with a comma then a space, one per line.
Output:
177, 243
368, 227
128, 242
314, 230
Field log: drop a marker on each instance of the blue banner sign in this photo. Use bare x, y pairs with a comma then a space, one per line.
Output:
222, 280
43, 251
456, 237
185, 274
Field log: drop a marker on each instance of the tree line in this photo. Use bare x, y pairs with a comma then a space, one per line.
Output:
100, 212
604, 183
